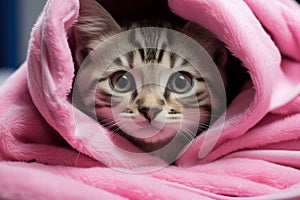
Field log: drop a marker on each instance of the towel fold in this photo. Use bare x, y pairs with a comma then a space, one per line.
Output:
51, 150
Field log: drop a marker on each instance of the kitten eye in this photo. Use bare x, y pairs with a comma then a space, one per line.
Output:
122, 81
180, 82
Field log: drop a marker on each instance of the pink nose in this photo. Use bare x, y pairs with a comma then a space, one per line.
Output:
150, 112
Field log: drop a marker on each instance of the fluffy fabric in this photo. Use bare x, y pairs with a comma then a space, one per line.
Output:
45, 144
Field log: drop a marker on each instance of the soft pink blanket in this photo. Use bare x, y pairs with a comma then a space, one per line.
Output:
49, 150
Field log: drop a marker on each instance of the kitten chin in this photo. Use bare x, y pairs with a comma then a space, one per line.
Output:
154, 143
182, 93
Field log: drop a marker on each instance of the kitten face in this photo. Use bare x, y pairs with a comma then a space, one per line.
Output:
151, 103
149, 95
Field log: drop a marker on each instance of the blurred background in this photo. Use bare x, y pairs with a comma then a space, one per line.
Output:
17, 18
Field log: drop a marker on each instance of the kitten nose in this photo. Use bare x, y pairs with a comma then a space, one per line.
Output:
150, 112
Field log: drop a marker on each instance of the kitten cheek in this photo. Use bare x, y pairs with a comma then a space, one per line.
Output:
192, 115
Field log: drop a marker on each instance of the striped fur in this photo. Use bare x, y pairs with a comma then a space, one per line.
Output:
151, 101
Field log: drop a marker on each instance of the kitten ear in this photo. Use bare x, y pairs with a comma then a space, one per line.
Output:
93, 26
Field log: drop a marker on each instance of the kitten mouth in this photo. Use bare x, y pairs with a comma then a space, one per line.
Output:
143, 124
147, 124
150, 132
155, 142
144, 129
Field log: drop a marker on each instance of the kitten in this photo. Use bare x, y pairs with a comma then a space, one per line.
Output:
148, 115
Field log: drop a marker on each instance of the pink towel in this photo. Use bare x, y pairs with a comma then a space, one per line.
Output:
256, 155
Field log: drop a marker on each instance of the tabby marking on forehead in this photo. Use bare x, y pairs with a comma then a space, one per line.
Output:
151, 91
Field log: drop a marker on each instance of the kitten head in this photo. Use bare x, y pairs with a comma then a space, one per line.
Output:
148, 95
151, 103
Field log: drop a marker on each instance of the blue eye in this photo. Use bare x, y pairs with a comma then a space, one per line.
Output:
180, 82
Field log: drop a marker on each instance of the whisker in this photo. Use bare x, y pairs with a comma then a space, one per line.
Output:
187, 134
106, 123
201, 126
187, 131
